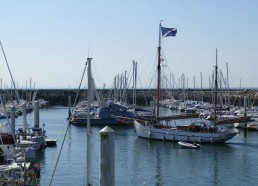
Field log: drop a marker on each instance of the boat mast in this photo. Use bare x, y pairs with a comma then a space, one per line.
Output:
134, 83
216, 91
16, 91
159, 72
228, 85
88, 120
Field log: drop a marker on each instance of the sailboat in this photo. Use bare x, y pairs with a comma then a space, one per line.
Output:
101, 113
160, 128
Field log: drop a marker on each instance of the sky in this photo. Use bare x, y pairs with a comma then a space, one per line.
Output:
49, 41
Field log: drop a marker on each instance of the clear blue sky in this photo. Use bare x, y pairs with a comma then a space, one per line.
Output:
48, 40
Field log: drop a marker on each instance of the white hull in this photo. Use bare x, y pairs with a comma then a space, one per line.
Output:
172, 134
239, 125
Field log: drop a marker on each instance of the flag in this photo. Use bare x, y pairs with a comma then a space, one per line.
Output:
166, 32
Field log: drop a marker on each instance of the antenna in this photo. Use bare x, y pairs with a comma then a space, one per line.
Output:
89, 49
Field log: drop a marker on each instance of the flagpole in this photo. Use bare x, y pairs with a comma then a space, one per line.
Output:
160, 33
167, 32
158, 79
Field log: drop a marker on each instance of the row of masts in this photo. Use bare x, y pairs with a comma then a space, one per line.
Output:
183, 84
5, 91
10, 94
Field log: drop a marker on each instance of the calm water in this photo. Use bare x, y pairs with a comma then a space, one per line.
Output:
143, 162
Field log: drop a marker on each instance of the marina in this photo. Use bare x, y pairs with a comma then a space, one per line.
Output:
128, 93
177, 125
143, 162
89, 154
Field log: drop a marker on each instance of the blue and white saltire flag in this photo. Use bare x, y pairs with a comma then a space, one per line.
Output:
166, 32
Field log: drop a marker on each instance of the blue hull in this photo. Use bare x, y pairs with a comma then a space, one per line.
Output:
96, 121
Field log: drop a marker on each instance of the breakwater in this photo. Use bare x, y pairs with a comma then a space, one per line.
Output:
144, 96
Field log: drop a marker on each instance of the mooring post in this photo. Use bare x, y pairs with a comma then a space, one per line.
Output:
107, 157
24, 121
36, 114
13, 119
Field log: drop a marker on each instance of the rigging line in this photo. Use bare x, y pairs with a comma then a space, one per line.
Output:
77, 95
169, 69
126, 86
148, 66
154, 74
96, 74
96, 156
16, 92
129, 75
126, 165
144, 94
52, 177
52, 159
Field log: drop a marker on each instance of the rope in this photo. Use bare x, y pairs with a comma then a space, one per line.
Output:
17, 94
77, 95
52, 177
126, 165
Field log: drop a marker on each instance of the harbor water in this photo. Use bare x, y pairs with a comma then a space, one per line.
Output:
140, 161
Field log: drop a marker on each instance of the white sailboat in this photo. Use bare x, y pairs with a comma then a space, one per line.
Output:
159, 128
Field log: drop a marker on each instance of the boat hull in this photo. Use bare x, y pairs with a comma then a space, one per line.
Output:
172, 134
97, 121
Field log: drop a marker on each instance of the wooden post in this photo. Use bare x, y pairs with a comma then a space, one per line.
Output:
24, 125
107, 157
13, 119
36, 114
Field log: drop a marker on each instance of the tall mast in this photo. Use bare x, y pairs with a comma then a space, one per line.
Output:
134, 83
216, 90
201, 87
88, 120
159, 69
16, 91
228, 85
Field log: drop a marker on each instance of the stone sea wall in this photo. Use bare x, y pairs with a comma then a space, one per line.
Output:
235, 97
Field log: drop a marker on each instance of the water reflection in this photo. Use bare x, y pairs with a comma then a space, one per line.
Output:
158, 168
215, 168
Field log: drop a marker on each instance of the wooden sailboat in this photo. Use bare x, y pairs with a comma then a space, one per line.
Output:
159, 128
